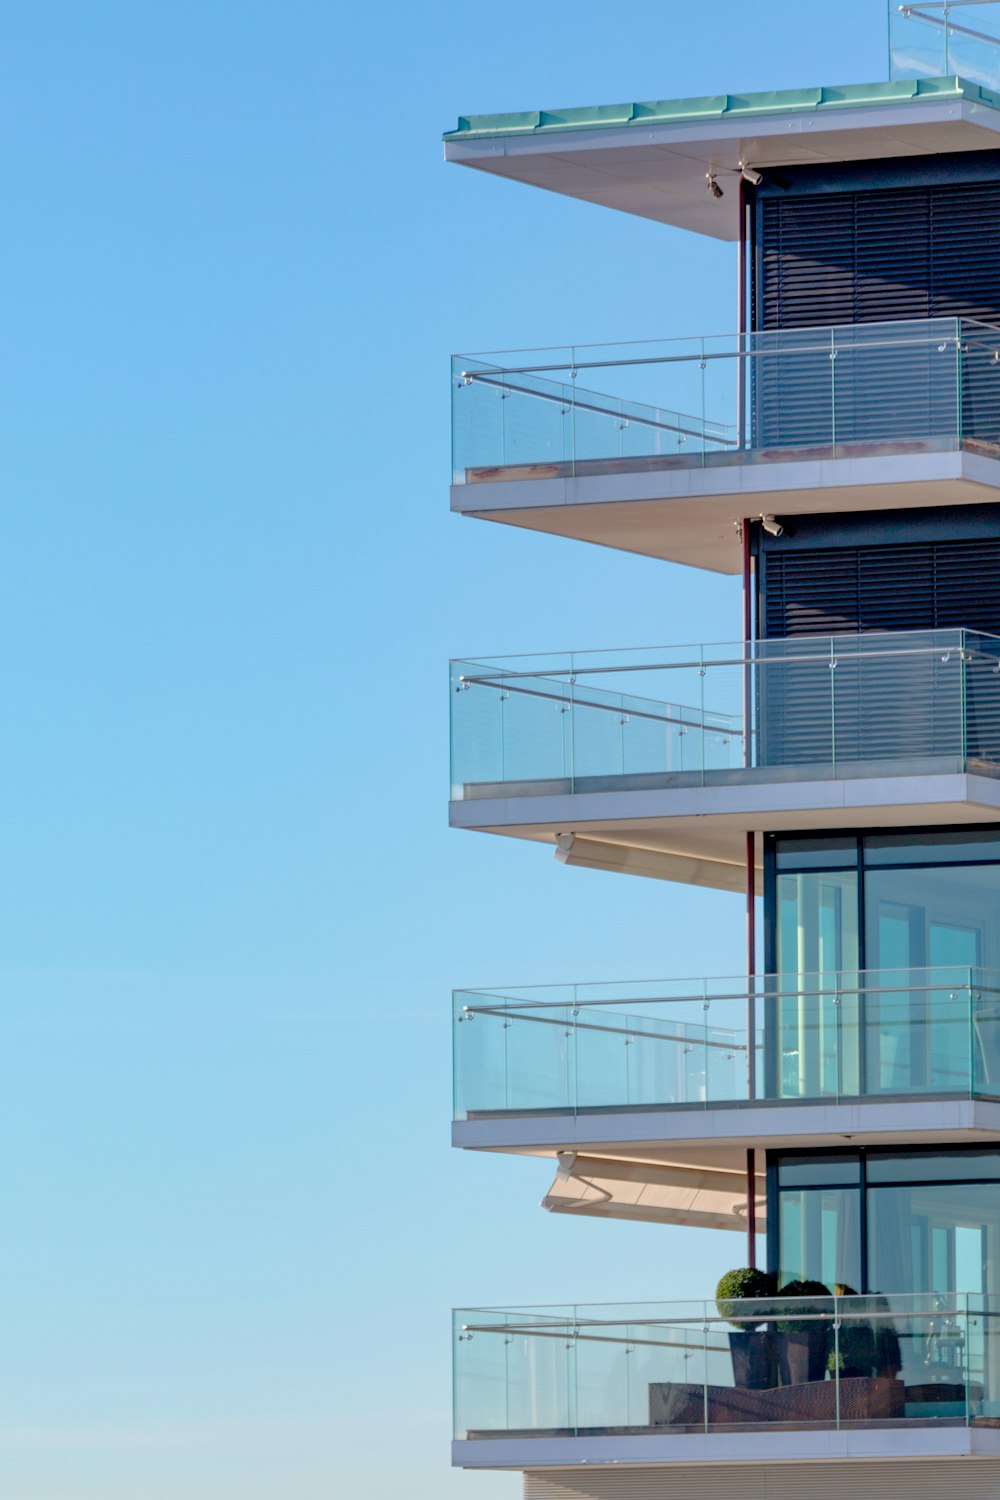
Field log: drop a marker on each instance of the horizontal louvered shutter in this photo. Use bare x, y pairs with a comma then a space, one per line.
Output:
875, 707
877, 256
921, 586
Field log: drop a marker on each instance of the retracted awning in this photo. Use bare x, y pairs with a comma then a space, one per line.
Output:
705, 1198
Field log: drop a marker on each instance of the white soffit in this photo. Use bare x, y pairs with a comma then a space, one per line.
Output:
657, 169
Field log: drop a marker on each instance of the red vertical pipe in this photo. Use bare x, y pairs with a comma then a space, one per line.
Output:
751, 1207
751, 1052
741, 314
751, 918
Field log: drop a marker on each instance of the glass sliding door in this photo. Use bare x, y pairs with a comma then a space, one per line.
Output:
819, 1221
931, 1222
944, 919
815, 1050
915, 917
934, 1221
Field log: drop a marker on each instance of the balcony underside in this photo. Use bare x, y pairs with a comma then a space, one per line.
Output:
652, 159
906, 1440
684, 509
687, 1164
668, 829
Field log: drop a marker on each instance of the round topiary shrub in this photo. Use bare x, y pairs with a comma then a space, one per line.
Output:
801, 1289
744, 1283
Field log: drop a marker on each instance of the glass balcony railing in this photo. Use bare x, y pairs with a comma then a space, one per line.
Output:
565, 1049
857, 389
945, 39
827, 1362
906, 702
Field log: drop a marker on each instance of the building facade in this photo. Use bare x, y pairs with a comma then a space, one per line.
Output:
839, 763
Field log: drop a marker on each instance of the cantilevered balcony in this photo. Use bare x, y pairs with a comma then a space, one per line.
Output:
658, 761
659, 447
647, 1093
863, 1377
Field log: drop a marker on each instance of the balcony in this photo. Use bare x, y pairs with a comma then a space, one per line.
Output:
865, 1377
647, 1093
660, 760
659, 447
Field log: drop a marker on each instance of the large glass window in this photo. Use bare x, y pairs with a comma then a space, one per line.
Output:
917, 912
817, 934
820, 1237
885, 1222
926, 918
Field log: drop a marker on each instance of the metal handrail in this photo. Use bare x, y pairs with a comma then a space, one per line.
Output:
490, 679
770, 1309
919, 12
653, 1036
940, 340
487, 355
612, 708
500, 1008
470, 377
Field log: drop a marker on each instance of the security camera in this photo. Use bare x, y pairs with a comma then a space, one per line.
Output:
771, 526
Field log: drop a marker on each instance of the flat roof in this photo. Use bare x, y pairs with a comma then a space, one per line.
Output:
650, 158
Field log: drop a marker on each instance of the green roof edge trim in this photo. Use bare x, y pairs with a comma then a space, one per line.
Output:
718, 107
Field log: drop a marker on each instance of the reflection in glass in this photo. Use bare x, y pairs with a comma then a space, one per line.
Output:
815, 1052
930, 917
820, 1236
934, 1237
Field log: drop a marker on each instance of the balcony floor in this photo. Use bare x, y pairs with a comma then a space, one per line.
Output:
716, 1136
683, 509
798, 1445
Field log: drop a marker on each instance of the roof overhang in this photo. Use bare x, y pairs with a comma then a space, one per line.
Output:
651, 159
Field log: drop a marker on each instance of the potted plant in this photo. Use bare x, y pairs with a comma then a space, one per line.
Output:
751, 1347
801, 1343
853, 1352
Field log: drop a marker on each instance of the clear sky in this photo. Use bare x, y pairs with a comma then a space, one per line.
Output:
230, 907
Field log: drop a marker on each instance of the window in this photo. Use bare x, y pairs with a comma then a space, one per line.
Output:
884, 1222
878, 937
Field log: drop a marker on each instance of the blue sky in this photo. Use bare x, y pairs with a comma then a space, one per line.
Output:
231, 910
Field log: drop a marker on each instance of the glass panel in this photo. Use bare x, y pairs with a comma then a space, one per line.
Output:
945, 38
948, 919
819, 1171
682, 1043
985, 1040
553, 413
814, 1051
919, 1237
984, 1360
816, 854
813, 1362
932, 1166
929, 847
820, 1237
596, 721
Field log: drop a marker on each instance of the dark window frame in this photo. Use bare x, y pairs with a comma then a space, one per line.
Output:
863, 1187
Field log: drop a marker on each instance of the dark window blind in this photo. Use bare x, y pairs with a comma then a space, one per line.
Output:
881, 707
876, 256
